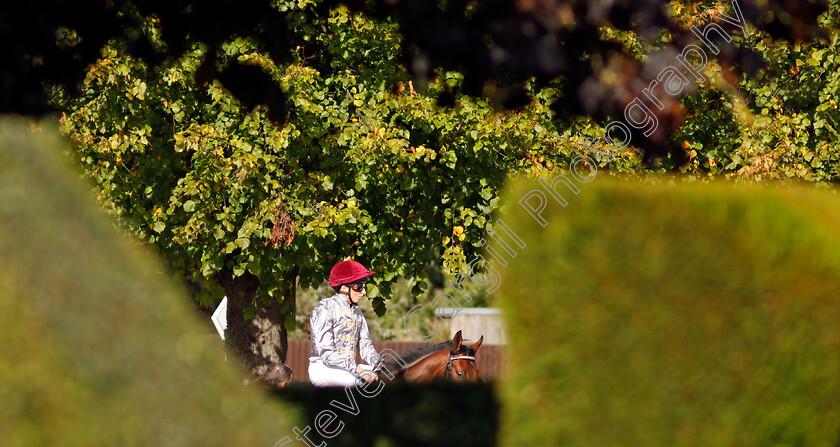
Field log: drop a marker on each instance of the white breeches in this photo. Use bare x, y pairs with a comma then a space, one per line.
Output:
325, 375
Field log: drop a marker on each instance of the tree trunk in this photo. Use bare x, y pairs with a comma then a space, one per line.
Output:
261, 340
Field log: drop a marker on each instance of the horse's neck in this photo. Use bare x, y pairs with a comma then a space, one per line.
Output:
427, 368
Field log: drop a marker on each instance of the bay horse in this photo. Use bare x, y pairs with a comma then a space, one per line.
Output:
450, 360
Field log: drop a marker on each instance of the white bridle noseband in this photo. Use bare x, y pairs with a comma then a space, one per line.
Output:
448, 372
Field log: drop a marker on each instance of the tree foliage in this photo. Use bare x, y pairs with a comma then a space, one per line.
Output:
779, 124
500, 46
387, 178
362, 165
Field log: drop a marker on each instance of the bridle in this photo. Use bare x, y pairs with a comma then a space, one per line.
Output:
448, 373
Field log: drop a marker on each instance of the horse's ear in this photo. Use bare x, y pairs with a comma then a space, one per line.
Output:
456, 341
475, 345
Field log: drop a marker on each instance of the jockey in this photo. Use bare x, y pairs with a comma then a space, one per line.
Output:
338, 327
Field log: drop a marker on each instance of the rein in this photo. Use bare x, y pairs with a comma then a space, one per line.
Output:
448, 373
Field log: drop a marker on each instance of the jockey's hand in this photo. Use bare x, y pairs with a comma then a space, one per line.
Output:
368, 376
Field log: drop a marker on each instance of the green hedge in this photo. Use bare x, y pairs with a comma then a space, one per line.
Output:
687, 315
404, 415
98, 348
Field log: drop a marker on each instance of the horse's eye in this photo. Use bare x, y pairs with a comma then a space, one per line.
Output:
461, 374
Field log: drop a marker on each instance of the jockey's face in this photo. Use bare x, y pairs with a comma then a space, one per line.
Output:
355, 296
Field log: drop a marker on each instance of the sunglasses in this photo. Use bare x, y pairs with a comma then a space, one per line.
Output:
357, 286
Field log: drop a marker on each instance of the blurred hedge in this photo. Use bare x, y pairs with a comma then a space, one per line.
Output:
406, 415
687, 315
97, 349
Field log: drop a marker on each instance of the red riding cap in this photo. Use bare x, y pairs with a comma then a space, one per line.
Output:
346, 272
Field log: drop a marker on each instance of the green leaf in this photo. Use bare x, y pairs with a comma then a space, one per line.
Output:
189, 205
290, 322
159, 226
416, 290
249, 311
255, 268
379, 306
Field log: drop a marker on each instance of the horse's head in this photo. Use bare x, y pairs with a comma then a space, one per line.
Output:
462, 364
450, 360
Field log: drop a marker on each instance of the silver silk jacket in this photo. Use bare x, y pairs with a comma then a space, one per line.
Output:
337, 328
